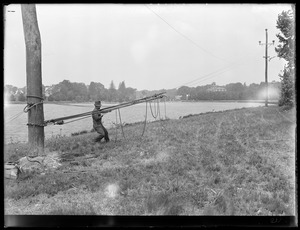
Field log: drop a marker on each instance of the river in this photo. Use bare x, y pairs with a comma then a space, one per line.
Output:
15, 128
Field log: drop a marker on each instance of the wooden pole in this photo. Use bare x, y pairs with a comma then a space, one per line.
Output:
266, 69
266, 65
34, 79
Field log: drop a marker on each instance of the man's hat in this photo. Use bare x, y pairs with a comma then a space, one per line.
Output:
97, 103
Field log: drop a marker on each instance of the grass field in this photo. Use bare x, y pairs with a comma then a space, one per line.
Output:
239, 162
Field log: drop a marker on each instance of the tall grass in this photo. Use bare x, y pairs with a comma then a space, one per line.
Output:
230, 163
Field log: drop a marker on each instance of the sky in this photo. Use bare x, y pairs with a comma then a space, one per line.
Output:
148, 46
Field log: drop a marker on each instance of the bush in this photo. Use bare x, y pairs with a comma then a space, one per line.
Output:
287, 90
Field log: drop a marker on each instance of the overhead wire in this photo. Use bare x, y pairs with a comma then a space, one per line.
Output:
184, 36
208, 76
232, 64
217, 72
211, 77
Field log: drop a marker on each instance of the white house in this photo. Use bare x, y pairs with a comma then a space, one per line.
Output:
216, 88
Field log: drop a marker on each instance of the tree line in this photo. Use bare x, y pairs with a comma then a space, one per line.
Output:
76, 92
14, 93
232, 91
79, 92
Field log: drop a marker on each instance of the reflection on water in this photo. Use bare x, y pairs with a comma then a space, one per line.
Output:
15, 128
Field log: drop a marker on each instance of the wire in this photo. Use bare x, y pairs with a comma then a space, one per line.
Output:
205, 79
156, 110
121, 124
145, 122
232, 64
14, 117
221, 70
187, 38
158, 107
214, 75
30, 106
116, 125
206, 75
165, 108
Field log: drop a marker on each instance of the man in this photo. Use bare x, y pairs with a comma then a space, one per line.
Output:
97, 122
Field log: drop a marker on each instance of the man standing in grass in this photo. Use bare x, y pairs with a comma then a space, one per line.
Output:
97, 123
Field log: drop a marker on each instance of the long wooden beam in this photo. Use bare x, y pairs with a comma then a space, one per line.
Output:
106, 109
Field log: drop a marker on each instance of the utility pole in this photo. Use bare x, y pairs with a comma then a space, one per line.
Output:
266, 65
33, 79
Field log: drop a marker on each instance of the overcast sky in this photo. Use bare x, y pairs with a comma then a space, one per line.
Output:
147, 46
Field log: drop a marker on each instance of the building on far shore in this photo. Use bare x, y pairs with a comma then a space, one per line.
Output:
215, 88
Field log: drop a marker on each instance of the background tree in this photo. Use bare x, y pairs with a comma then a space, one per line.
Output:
112, 92
171, 93
122, 92
130, 94
50, 98
12, 97
252, 91
81, 92
21, 97
235, 91
286, 50
97, 91
184, 91
10, 89
93, 92
69, 91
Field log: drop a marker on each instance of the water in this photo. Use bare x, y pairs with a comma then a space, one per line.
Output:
16, 130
